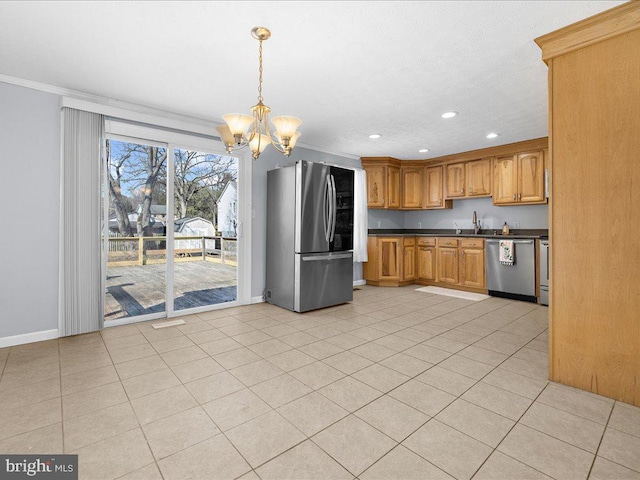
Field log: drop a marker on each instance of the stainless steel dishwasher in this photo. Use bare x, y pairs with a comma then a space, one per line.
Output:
517, 281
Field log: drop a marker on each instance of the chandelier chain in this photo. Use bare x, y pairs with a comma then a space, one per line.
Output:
260, 78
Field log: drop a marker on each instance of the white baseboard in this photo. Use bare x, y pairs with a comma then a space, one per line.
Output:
29, 338
359, 282
257, 299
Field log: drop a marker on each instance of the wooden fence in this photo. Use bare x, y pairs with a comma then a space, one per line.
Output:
129, 251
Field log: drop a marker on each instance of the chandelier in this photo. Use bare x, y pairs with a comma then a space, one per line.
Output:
235, 134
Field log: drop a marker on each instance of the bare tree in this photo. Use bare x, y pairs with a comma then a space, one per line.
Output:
141, 166
195, 171
143, 169
155, 164
115, 191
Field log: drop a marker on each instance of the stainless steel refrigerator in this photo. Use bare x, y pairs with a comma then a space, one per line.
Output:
309, 236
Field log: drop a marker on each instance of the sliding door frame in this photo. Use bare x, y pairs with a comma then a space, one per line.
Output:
146, 135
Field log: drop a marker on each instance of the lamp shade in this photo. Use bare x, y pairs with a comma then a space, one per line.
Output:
237, 122
286, 126
258, 143
294, 139
225, 134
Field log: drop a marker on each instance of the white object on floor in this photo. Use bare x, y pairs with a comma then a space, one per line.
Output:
476, 297
171, 323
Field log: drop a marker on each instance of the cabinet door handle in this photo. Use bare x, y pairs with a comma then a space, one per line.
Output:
463, 254
519, 196
462, 190
514, 196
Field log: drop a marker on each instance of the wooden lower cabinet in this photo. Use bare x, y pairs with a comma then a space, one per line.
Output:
409, 259
449, 262
472, 267
426, 263
391, 261
447, 265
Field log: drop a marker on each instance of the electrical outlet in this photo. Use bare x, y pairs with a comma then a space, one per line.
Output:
516, 225
379, 222
419, 224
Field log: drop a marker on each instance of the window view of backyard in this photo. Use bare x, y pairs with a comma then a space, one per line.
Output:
205, 220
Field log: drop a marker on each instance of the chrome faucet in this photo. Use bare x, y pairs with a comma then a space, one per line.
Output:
476, 223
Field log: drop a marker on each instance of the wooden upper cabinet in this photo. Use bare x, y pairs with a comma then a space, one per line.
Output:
376, 186
519, 179
505, 180
531, 177
411, 187
455, 180
383, 184
433, 187
478, 178
393, 187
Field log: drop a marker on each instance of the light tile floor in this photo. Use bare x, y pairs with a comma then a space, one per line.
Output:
398, 384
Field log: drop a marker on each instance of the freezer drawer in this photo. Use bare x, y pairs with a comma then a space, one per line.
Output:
544, 296
322, 280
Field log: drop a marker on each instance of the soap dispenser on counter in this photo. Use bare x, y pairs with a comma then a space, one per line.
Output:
505, 229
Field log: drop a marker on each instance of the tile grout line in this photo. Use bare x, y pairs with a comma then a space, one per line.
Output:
199, 406
506, 435
336, 319
604, 431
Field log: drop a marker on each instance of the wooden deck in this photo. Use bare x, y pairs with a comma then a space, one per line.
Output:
140, 290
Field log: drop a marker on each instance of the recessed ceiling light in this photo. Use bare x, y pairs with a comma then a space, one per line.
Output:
375, 135
423, 150
493, 135
449, 114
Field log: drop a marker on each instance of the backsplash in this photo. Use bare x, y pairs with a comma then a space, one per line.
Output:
386, 218
490, 216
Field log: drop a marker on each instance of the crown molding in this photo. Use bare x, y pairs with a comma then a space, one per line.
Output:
325, 150
495, 151
107, 104
610, 23
131, 111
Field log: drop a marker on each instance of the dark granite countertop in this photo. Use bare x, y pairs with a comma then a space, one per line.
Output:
488, 233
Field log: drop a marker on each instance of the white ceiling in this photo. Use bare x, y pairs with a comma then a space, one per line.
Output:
347, 69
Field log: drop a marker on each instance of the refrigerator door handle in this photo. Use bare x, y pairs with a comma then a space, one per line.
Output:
317, 258
326, 219
334, 208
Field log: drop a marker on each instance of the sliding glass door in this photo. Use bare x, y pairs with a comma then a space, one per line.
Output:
170, 231
205, 229
135, 229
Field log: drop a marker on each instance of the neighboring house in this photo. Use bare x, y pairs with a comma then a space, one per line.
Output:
192, 227
158, 213
228, 210
157, 224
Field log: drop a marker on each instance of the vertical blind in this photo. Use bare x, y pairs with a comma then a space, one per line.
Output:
81, 298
